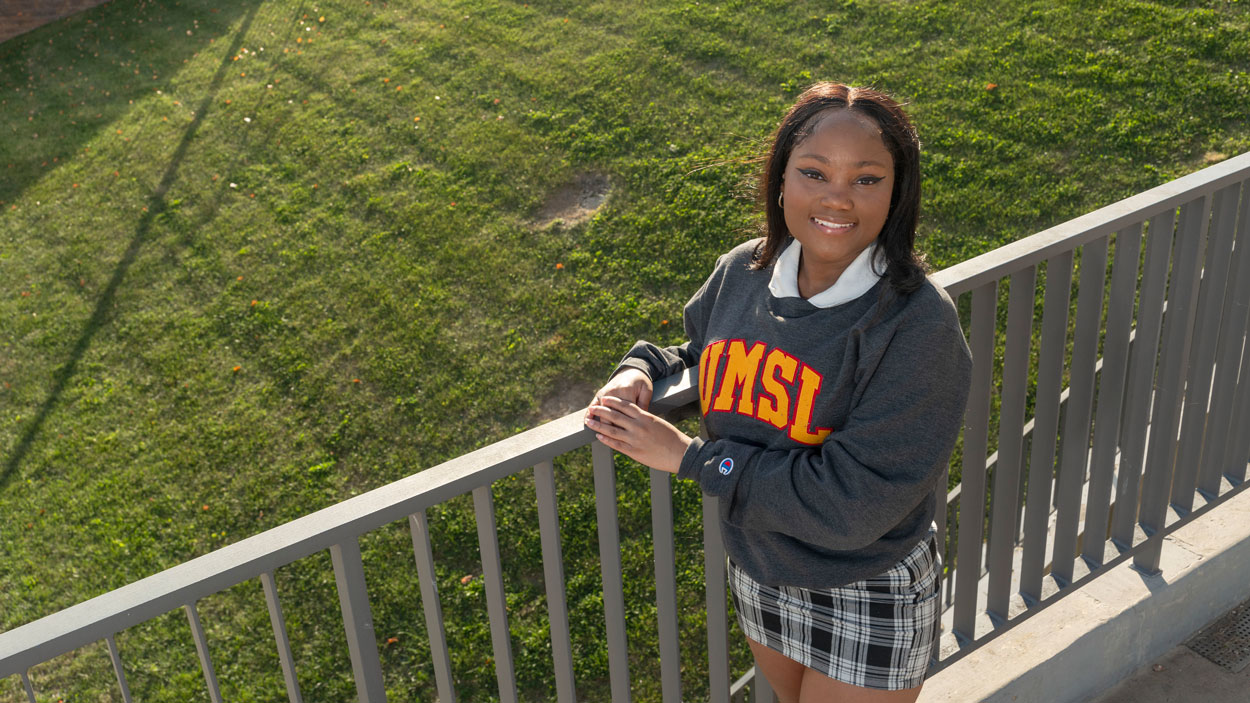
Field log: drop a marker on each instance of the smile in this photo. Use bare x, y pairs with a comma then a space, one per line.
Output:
831, 226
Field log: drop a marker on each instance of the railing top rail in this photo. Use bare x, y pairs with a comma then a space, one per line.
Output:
1005, 260
95, 619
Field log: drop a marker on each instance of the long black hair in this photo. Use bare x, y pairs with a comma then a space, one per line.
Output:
905, 268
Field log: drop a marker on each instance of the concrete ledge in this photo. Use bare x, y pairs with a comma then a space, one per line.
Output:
1115, 624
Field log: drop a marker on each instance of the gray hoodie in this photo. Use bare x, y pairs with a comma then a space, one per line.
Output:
829, 428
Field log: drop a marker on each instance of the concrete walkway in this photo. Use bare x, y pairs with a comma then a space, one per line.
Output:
1180, 676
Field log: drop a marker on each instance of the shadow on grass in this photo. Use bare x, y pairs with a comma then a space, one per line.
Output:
69, 80
156, 205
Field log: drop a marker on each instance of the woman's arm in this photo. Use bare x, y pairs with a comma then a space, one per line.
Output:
865, 476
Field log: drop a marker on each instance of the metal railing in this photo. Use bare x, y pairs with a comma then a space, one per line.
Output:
1157, 381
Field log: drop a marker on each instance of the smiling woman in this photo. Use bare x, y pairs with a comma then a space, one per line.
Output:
832, 379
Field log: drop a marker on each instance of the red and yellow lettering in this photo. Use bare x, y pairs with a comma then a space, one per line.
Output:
774, 400
741, 368
708, 361
801, 429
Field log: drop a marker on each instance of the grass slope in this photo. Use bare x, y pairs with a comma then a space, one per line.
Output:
256, 258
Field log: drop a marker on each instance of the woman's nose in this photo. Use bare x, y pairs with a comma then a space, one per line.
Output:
836, 197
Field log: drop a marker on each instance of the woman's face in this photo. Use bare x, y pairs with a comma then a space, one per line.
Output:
836, 191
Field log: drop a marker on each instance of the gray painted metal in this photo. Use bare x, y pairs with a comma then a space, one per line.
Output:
343, 523
976, 431
1111, 390
1076, 428
30, 690
665, 585
285, 658
1007, 469
1169, 394
610, 565
423, 554
1239, 442
553, 575
496, 600
362, 645
1009, 258
1228, 349
1045, 423
1141, 373
92, 620
1206, 327
952, 548
717, 605
201, 648
118, 669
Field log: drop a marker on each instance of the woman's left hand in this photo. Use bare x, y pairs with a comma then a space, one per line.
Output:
636, 433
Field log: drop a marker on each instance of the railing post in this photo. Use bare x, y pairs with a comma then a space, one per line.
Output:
665, 585
496, 601
1165, 420
553, 574
118, 669
610, 566
976, 433
424, 555
362, 643
279, 634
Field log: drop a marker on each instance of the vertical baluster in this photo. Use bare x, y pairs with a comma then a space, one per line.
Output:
717, 605
952, 549
201, 648
665, 585
976, 433
1206, 329
939, 517
1139, 394
1232, 335
1177, 339
423, 553
1079, 408
610, 565
362, 644
118, 669
553, 574
30, 690
496, 600
1010, 439
1045, 422
761, 690
285, 657
1238, 452
1111, 389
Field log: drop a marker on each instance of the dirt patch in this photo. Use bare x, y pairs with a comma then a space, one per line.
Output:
569, 399
576, 201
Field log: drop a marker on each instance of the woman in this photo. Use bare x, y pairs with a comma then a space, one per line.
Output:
832, 381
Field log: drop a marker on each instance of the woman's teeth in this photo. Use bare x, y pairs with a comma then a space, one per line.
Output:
830, 225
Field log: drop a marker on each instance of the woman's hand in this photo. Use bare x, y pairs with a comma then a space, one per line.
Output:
636, 433
631, 384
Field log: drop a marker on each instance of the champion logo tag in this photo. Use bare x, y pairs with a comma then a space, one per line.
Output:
726, 466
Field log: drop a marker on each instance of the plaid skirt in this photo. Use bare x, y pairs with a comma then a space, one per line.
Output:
875, 633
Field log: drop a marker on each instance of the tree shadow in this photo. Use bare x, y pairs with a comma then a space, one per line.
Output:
65, 82
156, 204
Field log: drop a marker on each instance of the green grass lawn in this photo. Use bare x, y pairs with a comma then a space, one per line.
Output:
256, 258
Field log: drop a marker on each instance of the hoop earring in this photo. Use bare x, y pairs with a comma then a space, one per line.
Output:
779, 203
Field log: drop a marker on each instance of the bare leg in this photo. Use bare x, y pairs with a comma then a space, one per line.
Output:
783, 673
818, 688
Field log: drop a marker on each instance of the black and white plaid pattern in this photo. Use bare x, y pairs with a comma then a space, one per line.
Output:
875, 633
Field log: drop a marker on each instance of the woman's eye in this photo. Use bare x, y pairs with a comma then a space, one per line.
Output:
812, 174
868, 180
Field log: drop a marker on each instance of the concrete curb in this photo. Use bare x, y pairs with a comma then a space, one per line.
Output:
1113, 625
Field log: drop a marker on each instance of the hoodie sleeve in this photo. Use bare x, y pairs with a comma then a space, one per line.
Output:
867, 475
658, 362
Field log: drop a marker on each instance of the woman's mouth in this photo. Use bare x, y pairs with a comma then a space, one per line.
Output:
832, 226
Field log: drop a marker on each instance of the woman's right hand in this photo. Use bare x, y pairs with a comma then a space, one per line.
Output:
631, 384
